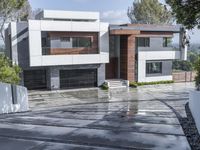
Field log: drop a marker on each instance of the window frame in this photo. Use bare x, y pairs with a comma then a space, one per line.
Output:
144, 43
78, 40
149, 70
166, 42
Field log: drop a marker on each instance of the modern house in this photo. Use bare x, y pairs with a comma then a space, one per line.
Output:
143, 52
60, 49
67, 49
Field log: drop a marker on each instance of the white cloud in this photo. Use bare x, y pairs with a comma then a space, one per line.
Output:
115, 16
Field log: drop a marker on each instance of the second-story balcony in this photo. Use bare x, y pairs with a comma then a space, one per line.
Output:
69, 51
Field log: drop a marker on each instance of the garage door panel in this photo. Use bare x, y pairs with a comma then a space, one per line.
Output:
79, 78
35, 79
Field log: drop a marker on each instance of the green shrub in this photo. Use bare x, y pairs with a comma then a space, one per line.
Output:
135, 84
104, 86
9, 73
197, 78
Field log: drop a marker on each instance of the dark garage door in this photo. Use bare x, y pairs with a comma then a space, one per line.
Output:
35, 79
78, 78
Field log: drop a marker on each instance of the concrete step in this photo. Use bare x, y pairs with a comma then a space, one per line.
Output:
117, 83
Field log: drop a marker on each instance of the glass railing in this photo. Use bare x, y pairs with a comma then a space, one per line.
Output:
69, 51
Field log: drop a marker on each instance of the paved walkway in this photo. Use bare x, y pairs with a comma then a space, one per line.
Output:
143, 118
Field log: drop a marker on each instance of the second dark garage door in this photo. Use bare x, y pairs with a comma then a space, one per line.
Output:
78, 78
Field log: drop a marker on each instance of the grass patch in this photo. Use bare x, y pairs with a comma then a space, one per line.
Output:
135, 84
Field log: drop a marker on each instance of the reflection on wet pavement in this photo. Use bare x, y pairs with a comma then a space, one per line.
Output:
142, 118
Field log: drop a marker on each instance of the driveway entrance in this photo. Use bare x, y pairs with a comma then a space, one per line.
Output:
143, 118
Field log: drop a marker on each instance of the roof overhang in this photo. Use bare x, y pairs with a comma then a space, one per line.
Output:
124, 32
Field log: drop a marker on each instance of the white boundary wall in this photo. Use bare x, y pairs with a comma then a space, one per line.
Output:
19, 95
194, 104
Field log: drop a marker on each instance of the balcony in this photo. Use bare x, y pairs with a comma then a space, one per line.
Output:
69, 51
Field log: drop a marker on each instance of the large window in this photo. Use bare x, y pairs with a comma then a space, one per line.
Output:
81, 42
153, 67
167, 42
69, 43
143, 41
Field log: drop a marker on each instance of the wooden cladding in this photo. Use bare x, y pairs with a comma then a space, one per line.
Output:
127, 57
124, 32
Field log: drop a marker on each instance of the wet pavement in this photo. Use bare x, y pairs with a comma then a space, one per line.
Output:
142, 118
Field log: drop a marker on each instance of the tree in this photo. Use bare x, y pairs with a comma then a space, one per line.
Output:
182, 65
9, 73
24, 13
149, 12
8, 11
193, 56
187, 12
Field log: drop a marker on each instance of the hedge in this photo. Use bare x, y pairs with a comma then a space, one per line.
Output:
135, 84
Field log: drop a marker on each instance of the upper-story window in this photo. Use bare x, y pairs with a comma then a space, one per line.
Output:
167, 41
82, 42
144, 42
69, 43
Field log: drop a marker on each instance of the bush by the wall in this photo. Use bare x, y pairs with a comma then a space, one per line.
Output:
104, 86
135, 84
9, 73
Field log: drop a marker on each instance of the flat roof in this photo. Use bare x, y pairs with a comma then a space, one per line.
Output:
72, 15
147, 27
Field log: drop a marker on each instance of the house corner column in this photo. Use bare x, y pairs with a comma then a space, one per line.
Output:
53, 78
131, 58
101, 75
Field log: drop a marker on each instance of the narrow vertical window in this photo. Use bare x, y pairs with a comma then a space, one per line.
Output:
144, 42
167, 41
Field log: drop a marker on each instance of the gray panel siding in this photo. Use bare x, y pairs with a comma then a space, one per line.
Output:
7, 44
101, 75
166, 68
22, 45
156, 44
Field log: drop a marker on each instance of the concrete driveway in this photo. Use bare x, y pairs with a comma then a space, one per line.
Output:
143, 118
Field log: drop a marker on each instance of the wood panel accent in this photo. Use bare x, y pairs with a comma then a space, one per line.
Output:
127, 57
124, 32
184, 76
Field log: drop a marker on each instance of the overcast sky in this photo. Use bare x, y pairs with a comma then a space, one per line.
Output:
112, 11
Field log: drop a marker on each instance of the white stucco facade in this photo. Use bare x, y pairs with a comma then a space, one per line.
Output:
156, 52
35, 27
194, 104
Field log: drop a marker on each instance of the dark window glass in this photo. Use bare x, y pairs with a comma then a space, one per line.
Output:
167, 41
153, 67
44, 42
81, 42
143, 42
65, 39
